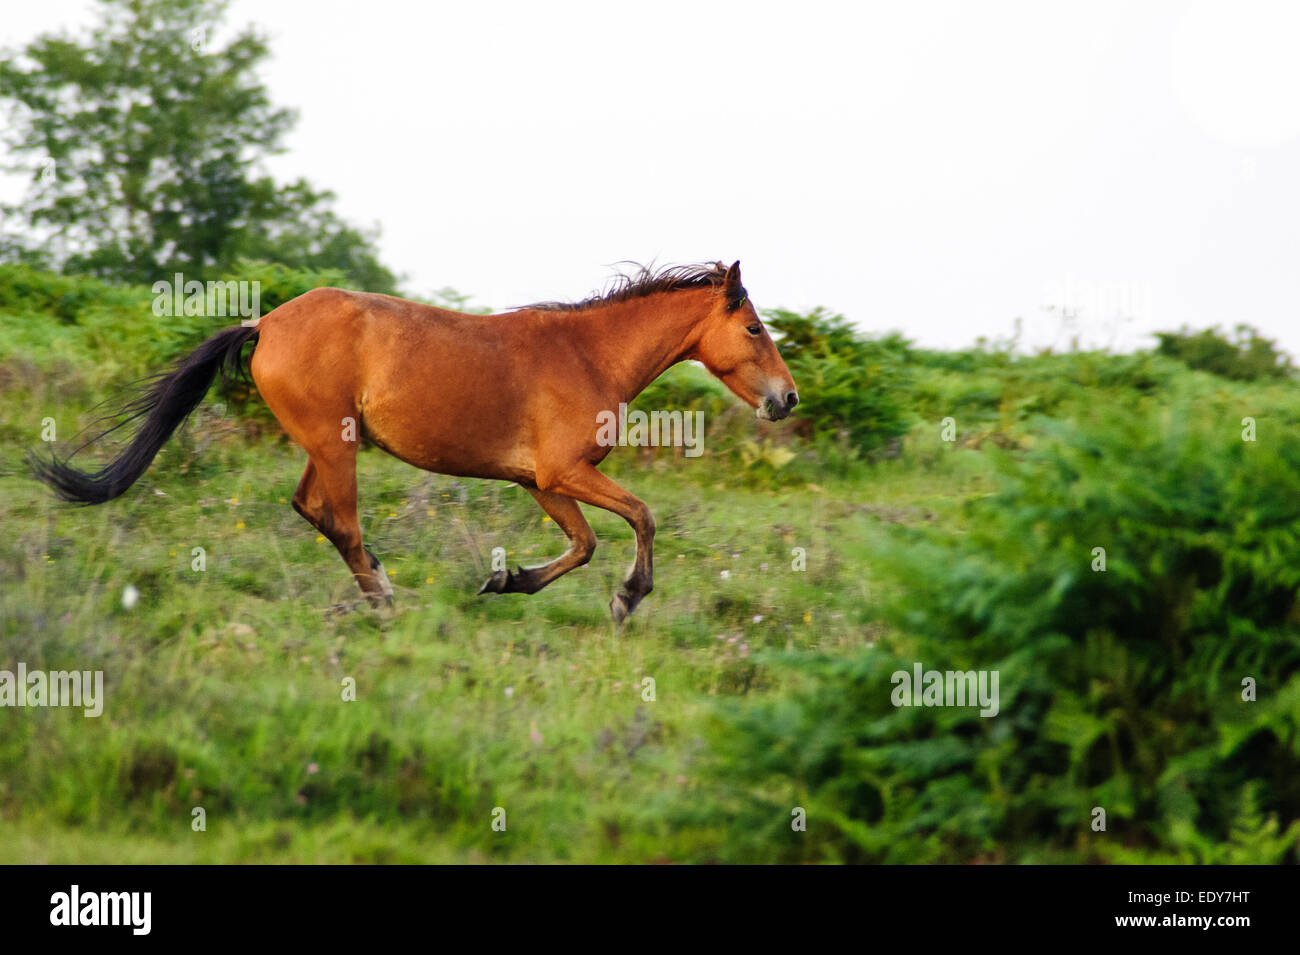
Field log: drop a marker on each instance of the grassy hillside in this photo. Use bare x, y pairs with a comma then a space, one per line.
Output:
1120, 689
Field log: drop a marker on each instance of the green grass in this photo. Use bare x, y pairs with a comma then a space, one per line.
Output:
224, 687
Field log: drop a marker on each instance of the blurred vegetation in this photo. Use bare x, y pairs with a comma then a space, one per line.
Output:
1121, 669
855, 385
1119, 688
1246, 356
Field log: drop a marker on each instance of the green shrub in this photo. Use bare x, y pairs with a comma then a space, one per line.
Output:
685, 387
279, 283
28, 290
1246, 356
97, 324
997, 394
1120, 689
851, 388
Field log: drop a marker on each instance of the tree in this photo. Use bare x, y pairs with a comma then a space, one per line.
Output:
144, 144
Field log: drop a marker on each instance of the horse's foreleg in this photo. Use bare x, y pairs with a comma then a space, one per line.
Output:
588, 485
582, 544
327, 499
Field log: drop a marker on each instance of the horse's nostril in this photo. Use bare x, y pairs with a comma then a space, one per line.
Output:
791, 399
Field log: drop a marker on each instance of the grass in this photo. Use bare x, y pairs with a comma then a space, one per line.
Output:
225, 685
741, 687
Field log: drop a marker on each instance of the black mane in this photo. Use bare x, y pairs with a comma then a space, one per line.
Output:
646, 280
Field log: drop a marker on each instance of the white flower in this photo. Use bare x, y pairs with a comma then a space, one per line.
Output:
129, 596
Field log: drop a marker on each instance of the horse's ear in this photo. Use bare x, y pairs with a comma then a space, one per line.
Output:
732, 290
731, 281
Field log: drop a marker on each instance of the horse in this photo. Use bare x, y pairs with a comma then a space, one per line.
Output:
514, 396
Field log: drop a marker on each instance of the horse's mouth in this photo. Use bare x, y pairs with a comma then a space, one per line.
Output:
777, 407
769, 410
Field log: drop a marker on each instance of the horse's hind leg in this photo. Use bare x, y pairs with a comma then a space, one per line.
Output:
582, 544
588, 485
327, 499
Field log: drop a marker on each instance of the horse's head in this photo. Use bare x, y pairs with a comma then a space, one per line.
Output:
735, 347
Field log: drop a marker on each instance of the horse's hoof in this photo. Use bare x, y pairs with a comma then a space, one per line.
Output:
346, 607
497, 583
620, 607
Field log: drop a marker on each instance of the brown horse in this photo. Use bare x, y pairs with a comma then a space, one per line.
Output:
514, 397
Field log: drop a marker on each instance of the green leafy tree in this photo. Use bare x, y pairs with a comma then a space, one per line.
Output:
144, 143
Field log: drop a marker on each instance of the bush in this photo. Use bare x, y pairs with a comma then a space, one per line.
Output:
28, 290
93, 337
1247, 356
279, 283
1120, 689
97, 323
851, 388
997, 396
685, 387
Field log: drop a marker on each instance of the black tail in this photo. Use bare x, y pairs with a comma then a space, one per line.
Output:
165, 401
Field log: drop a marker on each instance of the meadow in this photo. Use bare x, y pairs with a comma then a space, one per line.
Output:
935, 507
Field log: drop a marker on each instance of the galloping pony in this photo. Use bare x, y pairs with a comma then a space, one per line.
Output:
513, 397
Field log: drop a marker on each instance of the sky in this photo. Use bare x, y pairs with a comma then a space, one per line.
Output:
1090, 171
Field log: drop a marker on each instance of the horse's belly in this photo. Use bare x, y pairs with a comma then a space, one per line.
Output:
448, 448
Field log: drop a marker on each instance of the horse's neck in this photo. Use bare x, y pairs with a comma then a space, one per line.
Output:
637, 341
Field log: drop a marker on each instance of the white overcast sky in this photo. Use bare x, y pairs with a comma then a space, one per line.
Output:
937, 168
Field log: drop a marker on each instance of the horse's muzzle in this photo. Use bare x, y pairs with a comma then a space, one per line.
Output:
775, 408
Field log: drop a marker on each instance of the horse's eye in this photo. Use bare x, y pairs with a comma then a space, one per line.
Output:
754, 329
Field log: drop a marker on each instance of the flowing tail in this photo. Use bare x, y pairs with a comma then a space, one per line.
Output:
165, 401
